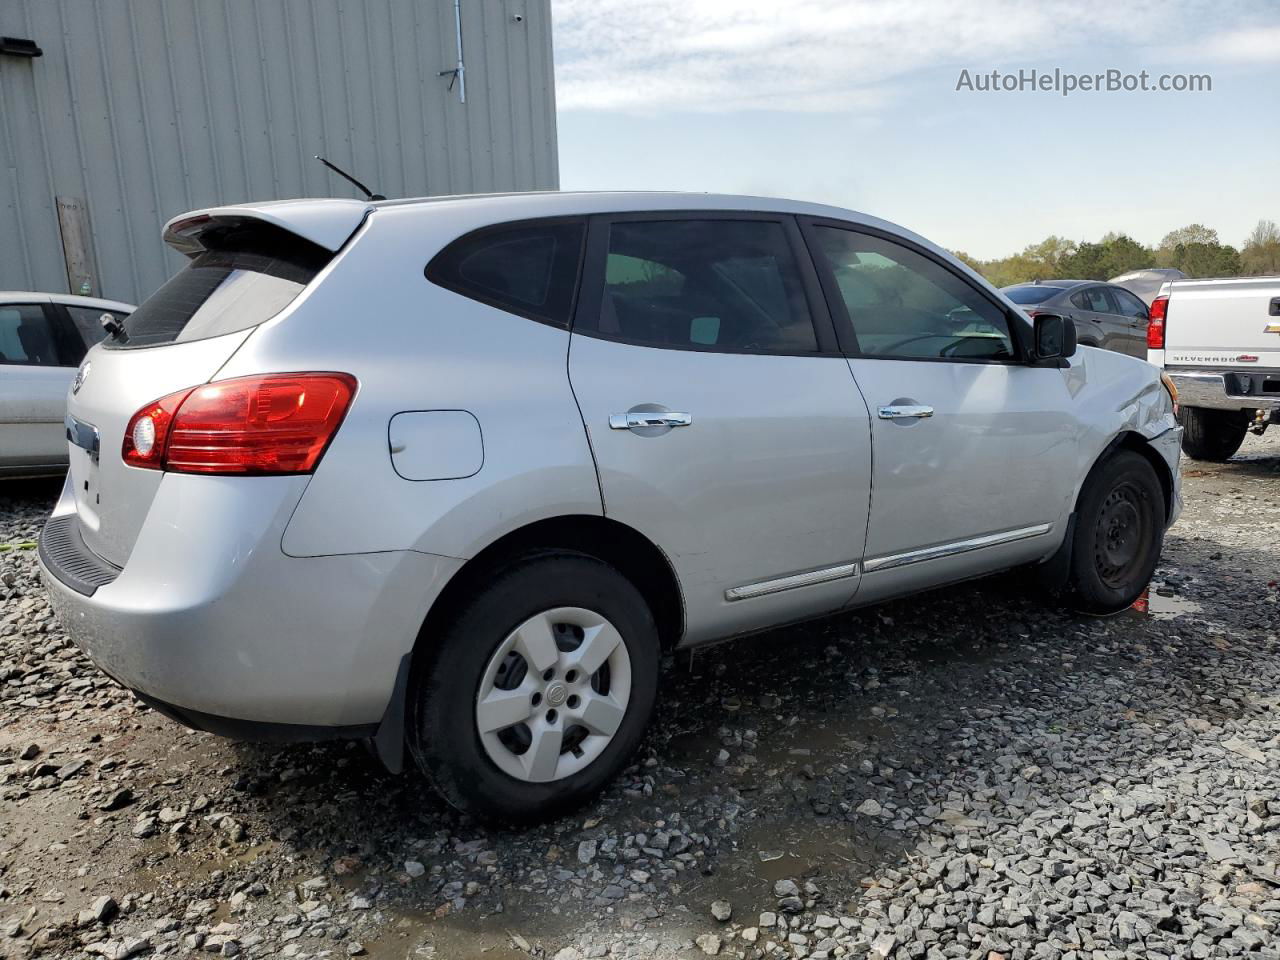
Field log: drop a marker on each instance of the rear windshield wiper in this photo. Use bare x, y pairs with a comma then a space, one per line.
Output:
114, 327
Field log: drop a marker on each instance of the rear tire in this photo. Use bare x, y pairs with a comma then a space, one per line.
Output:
1118, 534
538, 691
1212, 435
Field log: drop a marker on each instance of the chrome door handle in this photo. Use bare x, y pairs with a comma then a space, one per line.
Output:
648, 418
905, 410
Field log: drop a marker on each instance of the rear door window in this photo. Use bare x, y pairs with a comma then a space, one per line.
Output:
1098, 299
726, 285
246, 274
529, 268
29, 336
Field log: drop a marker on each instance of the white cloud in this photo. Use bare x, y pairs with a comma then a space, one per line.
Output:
722, 55
1244, 46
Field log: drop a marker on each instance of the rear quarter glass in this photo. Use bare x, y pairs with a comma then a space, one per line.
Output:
245, 274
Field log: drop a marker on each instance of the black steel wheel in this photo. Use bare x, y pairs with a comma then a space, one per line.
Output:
1119, 533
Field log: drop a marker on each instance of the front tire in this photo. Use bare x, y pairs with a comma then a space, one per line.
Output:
1212, 435
1118, 535
538, 692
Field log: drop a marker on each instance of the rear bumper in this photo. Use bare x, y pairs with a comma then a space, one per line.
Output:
1218, 390
256, 731
214, 625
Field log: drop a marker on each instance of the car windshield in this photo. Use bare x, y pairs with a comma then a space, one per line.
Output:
1030, 293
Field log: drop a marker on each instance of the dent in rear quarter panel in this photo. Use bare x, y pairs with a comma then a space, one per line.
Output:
415, 346
1115, 394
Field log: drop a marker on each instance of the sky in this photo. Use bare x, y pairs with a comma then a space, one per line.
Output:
856, 104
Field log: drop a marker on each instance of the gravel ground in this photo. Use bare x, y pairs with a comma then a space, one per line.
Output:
965, 774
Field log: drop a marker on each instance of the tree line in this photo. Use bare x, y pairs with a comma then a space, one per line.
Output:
1194, 249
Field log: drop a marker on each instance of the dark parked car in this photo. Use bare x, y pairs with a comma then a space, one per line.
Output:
1105, 315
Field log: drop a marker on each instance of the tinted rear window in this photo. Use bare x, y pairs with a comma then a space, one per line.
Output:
247, 273
704, 284
1030, 294
526, 268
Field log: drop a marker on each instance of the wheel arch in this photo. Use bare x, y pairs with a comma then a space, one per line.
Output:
1053, 572
1131, 440
633, 554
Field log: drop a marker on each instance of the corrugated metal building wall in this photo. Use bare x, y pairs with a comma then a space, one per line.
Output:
141, 109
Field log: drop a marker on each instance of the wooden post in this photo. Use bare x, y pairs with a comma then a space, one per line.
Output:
77, 247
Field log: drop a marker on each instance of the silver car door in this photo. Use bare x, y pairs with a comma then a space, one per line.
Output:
974, 449
34, 377
724, 422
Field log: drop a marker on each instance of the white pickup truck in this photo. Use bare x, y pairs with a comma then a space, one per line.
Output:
1219, 342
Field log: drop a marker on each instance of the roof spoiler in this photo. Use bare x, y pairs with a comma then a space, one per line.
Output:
326, 223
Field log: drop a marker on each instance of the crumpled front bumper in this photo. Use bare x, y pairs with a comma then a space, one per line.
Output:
1169, 446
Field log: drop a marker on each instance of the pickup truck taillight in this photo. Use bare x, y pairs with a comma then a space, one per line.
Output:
1155, 323
270, 424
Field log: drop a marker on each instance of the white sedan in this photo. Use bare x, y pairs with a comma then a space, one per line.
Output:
43, 338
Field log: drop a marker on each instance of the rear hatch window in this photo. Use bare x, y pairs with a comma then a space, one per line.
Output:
241, 274
1030, 294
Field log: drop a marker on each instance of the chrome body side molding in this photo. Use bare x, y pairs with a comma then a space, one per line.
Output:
764, 587
951, 549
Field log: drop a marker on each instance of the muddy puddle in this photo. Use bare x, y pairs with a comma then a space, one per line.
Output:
835, 854
792, 746
523, 924
421, 935
1158, 606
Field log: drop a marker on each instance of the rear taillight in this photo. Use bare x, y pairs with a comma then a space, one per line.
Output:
147, 432
1155, 323
275, 423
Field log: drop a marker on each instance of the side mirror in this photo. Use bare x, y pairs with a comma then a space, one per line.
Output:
1055, 337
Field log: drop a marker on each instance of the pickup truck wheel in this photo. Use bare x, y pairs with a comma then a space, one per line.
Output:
539, 690
1212, 435
1118, 535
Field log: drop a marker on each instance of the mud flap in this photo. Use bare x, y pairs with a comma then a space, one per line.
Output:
388, 742
1052, 575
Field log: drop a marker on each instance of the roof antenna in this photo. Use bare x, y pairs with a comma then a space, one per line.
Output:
346, 176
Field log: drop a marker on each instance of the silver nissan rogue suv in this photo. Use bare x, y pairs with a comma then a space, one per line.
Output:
452, 474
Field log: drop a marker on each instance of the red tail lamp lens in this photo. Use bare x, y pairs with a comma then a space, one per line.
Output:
1155, 323
271, 424
148, 431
